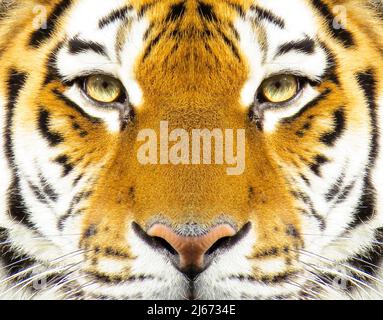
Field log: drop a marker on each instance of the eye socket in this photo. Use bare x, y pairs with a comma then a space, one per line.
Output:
103, 89
279, 88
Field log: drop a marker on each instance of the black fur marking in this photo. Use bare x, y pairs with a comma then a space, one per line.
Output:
120, 14
336, 188
16, 82
145, 8
267, 15
344, 193
177, 11
152, 44
75, 107
52, 137
292, 231
306, 46
367, 82
305, 179
308, 106
148, 31
342, 35
206, 12
370, 260
330, 72
77, 180
237, 7
230, 44
318, 162
71, 210
65, 163
77, 46
91, 231
16, 206
339, 126
37, 192
306, 199
47, 188
366, 208
41, 35
13, 261
52, 72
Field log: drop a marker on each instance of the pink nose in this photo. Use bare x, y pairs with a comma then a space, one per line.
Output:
191, 250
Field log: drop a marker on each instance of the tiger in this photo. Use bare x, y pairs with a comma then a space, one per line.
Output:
82, 218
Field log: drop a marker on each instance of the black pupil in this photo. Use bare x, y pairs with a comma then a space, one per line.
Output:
105, 85
278, 85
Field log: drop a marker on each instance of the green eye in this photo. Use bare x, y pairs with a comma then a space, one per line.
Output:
103, 88
280, 88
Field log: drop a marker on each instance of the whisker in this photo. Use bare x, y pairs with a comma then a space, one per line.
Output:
344, 265
59, 259
342, 275
30, 280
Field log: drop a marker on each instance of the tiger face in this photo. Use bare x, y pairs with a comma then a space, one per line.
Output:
82, 218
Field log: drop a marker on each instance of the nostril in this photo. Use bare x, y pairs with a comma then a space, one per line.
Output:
162, 243
228, 242
221, 243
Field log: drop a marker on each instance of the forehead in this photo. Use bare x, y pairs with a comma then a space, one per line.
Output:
161, 40
287, 10
106, 17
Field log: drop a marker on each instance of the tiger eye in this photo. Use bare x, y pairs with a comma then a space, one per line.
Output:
103, 88
280, 88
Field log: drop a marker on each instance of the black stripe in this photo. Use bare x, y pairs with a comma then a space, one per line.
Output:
339, 118
16, 207
307, 107
16, 82
144, 8
41, 35
319, 161
306, 200
369, 261
230, 44
75, 107
37, 192
341, 34
345, 192
52, 72
206, 12
237, 7
366, 207
52, 137
148, 31
13, 261
152, 44
177, 11
75, 201
264, 14
77, 46
336, 188
306, 46
367, 82
63, 160
330, 71
47, 188
78, 179
120, 14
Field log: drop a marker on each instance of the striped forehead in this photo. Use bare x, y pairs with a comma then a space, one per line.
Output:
114, 35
